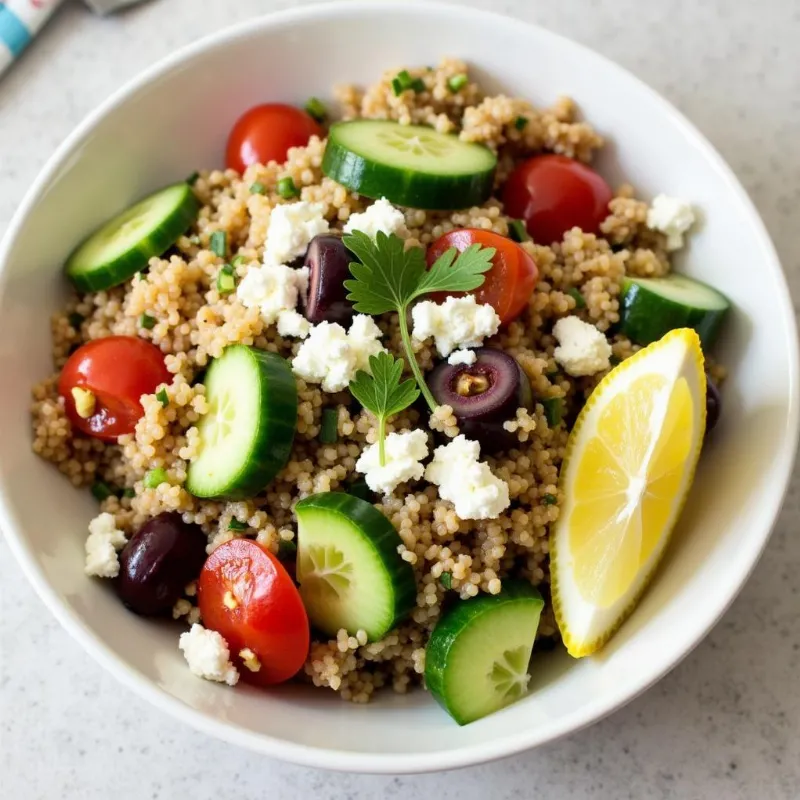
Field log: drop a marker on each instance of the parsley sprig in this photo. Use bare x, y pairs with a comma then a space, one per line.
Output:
383, 392
387, 277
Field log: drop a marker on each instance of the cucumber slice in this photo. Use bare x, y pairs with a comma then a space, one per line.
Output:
124, 245
246, 436
651, 307
409, 165
350, 573
477, 657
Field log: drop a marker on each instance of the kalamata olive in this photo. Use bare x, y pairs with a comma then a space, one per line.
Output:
328, 261
158, 561
483, 396
713, 404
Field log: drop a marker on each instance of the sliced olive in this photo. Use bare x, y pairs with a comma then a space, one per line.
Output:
328, 261
483, 396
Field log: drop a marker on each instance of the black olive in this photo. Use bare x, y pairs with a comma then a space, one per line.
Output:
713, 404
158, 561
483, 396
328, 261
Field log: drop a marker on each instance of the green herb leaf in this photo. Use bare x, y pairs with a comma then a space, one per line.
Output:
101, 491
520, 123
128, 492
580, 300
553, 410
549, 499
316, 108
446, 579
147, 322
219, 243
418, 85
257, 188
155, 477
457, 272
457, 82
161, 396
235, 525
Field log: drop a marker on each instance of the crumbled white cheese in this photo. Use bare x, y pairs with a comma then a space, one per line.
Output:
102, 544
672, 216
462, 357
583, 350
331, 357
208, 656
291, 323
458, 322
403, 453
380, 216
273, 289
466, 482
291, 228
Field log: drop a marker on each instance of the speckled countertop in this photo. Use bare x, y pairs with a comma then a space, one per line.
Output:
725, 724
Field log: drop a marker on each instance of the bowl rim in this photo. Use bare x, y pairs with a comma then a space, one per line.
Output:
470, 755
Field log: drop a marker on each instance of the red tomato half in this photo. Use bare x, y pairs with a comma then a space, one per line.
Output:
265, 133
554, 193
508, 285
245, 594
118, 370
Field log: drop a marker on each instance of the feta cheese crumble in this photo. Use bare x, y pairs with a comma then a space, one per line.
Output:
671, 216
380, 216
291, 228
582, 350
291, 323
457, 357
273, 289
207, 655
102, 544
403, 453
330, 356
466, 482
458, 322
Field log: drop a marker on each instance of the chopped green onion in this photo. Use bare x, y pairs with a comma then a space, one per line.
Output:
286, 188
219, 243
329, 430
236, 260
457, 82
316, 108
192, 179
404, 81
147, 322
236, 525
75, 320
580, 300
517, 230
553, 410
397, 87
155, 477
226, 280
101, 491
358, 488
446, 579
257, 188
128, 492
520, 123
418, 85
286, 549
549, 499
161, 396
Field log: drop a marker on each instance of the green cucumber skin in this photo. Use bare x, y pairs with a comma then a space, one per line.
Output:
383, 538
272, 444
157, 242
460, 617
401, 186
640, 324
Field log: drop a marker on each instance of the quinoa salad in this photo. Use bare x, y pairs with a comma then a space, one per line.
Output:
405, 395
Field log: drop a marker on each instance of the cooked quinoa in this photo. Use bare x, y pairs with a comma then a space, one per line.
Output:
194, 323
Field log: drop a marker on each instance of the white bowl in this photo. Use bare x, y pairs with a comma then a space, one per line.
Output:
174, 119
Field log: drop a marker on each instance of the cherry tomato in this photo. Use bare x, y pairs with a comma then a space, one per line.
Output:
265, 133
508, 285
245, 594
554, 193
117, 370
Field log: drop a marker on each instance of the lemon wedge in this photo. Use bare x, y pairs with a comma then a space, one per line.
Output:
628, 467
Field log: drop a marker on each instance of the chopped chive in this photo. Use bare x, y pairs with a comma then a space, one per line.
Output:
329, 430
316, 108
161, 396
553, 410
517, 230
192, 179
457, 82
75, 320
257, 188
236, 260
520, 123
236, 525
155, 477
358, 488
287, 549
147, 322
226, 280
286, 188
219, 243
549, 499
128, 492
101, 491
418, 85
446, 579
580, 300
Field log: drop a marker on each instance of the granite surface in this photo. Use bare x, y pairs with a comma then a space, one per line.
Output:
725, 724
